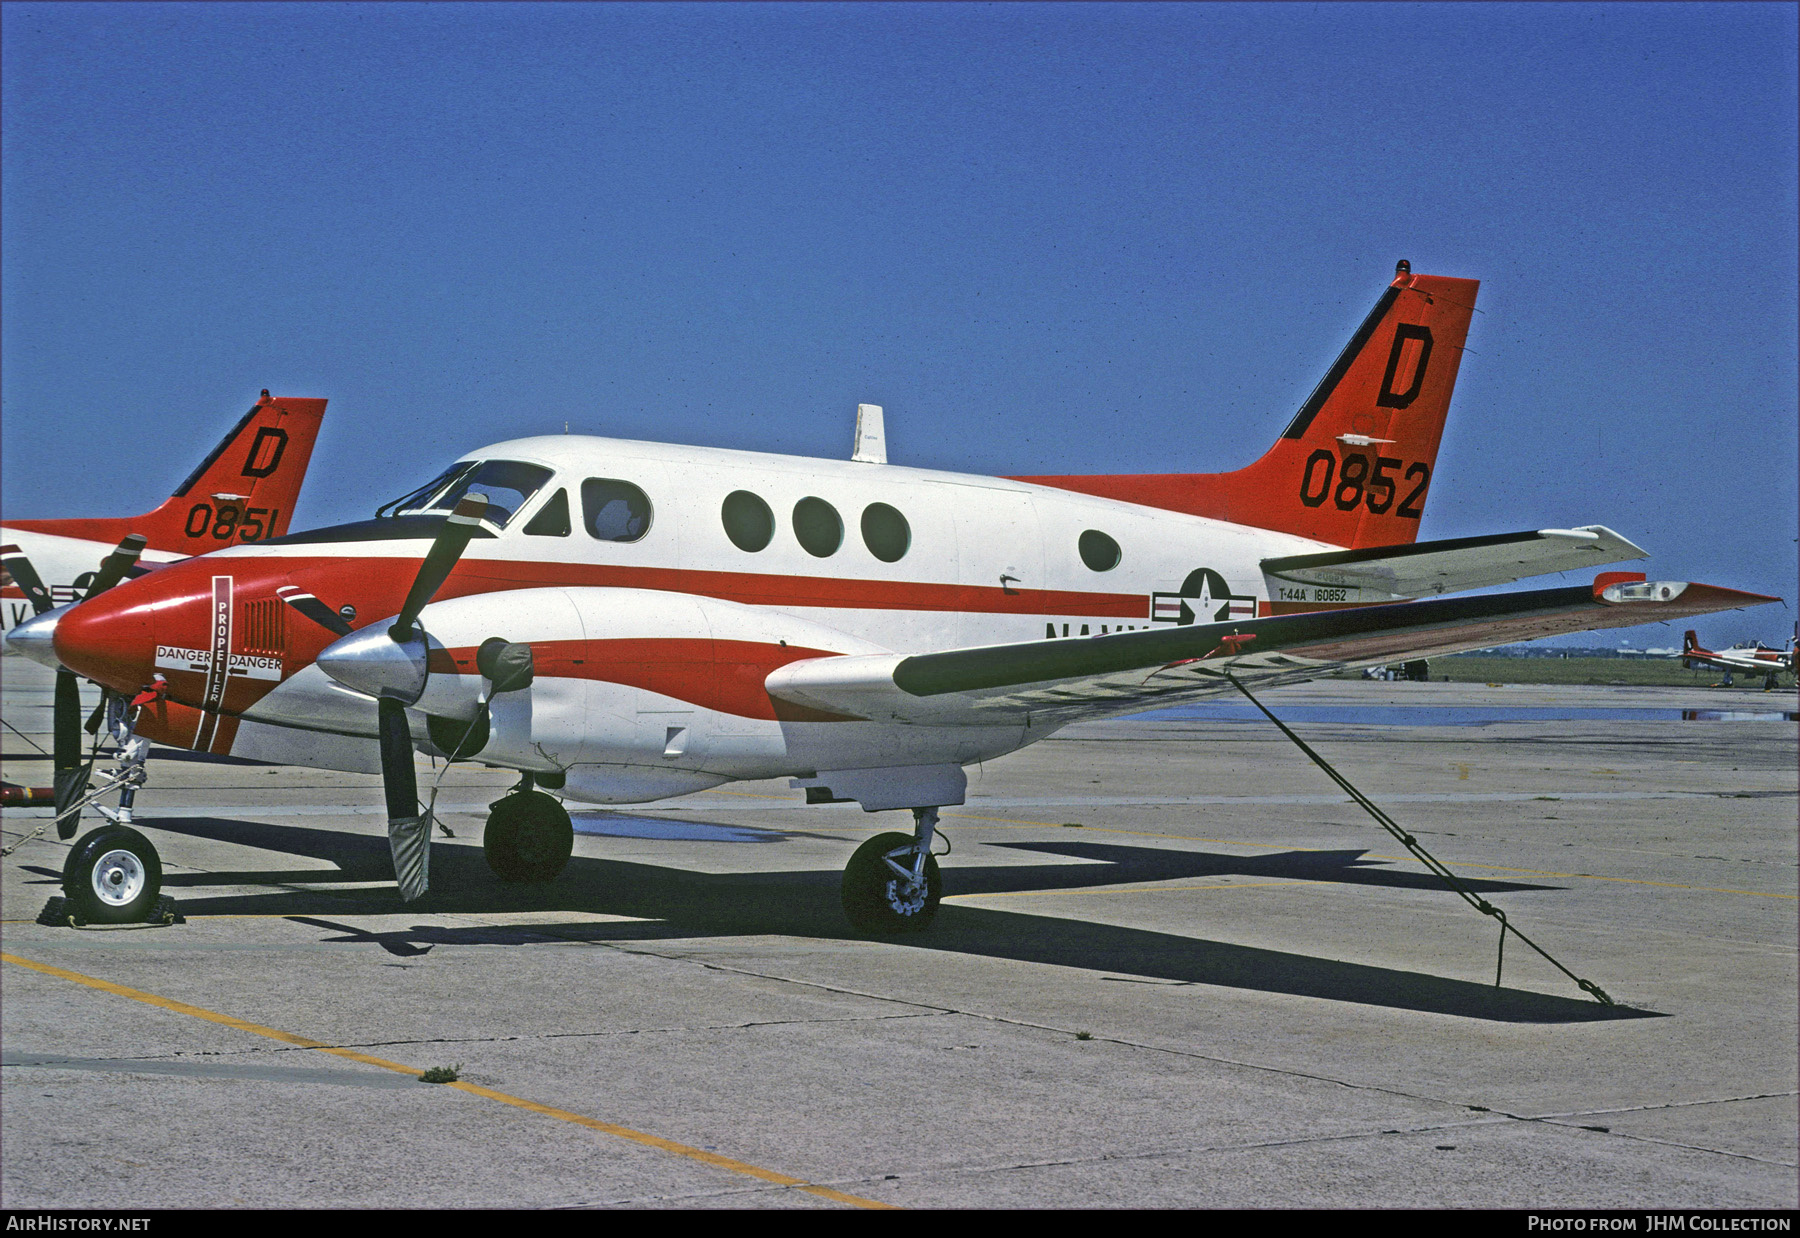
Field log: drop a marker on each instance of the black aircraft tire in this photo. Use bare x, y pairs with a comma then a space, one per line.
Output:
528, 837
874, 898
112, 876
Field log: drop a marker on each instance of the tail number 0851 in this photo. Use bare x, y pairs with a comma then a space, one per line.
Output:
246, 525
1359, 485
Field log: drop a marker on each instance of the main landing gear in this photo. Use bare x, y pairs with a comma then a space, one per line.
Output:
529, 836
891, 884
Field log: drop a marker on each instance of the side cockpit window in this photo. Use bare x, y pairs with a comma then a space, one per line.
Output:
614, 510
552, 519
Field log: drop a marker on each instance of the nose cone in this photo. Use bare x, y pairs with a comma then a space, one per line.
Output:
110, 639
35, 638
373, 662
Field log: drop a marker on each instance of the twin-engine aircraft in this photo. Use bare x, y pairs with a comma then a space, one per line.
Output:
1757, 659
627, 621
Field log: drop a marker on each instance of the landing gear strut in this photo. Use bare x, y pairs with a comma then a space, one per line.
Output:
891, 884
113, 874
529, 836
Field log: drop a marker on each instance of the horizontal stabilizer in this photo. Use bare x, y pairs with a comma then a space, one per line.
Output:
1055, 682
1452, 565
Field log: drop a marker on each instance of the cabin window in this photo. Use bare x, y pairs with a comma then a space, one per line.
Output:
506, 484
748, 521
818, 526
613, 510
552, 519
885, 532
1098, 551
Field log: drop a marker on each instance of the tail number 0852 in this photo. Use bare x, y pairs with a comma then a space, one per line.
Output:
1359, 485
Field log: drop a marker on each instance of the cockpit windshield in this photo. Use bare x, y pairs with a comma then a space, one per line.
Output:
507, 484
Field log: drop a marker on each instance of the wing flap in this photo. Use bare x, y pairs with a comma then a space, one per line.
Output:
1065, 680
1452, 565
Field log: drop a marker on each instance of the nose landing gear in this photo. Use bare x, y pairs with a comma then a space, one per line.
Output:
113, 874
891, 884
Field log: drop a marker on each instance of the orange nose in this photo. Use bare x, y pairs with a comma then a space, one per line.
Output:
111, 639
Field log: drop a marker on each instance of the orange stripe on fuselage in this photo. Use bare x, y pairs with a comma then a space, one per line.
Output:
722, 675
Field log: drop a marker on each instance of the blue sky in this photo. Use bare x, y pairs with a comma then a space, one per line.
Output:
1047, 238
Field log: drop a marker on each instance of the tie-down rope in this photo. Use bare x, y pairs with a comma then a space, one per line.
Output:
1425, 857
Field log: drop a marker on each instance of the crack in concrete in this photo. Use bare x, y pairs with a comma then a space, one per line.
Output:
1256, 1066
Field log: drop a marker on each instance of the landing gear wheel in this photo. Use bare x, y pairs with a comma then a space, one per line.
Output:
112, 876
880, 900
528, 837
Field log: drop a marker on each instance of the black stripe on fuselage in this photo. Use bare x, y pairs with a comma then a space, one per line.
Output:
1333, 376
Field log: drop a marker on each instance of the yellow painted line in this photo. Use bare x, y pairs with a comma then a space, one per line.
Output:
622, 1132
1087, 890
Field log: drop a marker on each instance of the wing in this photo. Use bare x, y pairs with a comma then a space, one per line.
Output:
1061, 681
1454, 564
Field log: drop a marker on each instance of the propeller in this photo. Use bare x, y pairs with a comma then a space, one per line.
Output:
115, 565
390, 665
25, 576
70, 775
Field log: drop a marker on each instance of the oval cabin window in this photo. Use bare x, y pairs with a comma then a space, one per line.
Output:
748, 521
885, 532
818, 526
1098, 551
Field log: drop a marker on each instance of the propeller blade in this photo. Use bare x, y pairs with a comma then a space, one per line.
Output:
409, 832
451, 541
116, 564
25, 576
92, 725
313, 609
69, 778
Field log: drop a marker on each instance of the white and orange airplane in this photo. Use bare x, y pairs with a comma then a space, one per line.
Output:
243, 491
1755, 659
627, 621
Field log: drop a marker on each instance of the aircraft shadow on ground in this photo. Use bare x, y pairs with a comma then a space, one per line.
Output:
674, 903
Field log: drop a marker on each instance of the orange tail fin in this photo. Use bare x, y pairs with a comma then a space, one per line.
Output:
243, 491
1354, 466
